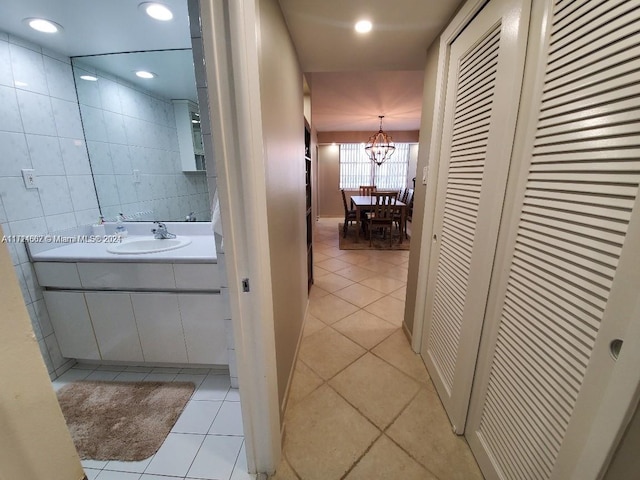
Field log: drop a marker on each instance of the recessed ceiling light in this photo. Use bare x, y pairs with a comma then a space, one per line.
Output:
42, 25
363, 26
145, 74
89, 78
157, 11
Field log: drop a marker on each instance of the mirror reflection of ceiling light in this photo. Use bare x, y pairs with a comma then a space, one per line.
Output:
145, 74
363, 26
89, 78
157, 11
42, 25
18, 83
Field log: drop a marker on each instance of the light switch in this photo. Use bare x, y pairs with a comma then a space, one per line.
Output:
424, 175
29, 177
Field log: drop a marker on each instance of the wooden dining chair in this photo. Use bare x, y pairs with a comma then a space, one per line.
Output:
367, 190
381, 213
349, 215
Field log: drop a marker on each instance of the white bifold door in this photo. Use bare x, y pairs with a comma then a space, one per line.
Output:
569, 288
484, 73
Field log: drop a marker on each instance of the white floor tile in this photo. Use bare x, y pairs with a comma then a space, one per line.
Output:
188, 377
95, 464
91, 473
233, 395
102, 375
133, 467
216, 458
131, 377
69, 376
108, 475
214, 387
228, 421
240, 470
197, 417
175, 455
160, 377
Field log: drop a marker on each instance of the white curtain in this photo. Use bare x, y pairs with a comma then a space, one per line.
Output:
357, 169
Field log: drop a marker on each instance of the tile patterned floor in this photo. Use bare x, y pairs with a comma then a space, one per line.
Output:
207, 441
361, 404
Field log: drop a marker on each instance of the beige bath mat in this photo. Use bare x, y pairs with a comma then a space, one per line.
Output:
125, 421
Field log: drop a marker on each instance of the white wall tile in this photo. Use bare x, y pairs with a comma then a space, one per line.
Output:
100, 157
109, 95
121, 159
19, 203
55, 354
28, 70
45, 355
67, 118
87, 217
126, 189
82, 191
115, 127
46, 157
88, 91
74, 155
31, 281
55, 195
42, 314
94, 126
36, 113
24, 43
10, 120
59, 222
6, 74
14, 154
60, 79
107, 190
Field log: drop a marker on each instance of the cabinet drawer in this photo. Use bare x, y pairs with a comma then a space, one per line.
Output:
57, 274
191, 276
127, 276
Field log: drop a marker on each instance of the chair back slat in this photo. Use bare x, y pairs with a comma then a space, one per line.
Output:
382, 205
367, 190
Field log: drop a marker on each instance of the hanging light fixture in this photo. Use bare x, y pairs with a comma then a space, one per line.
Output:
380, 146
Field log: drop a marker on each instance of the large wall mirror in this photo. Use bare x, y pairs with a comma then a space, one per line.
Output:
143, 134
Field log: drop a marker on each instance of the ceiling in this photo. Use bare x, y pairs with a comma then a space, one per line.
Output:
353, 78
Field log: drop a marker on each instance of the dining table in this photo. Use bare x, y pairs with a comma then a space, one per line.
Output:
363, 203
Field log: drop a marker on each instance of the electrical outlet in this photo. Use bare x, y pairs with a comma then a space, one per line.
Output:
136, 175
29, 177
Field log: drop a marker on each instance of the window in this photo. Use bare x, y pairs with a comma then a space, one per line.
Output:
357, 169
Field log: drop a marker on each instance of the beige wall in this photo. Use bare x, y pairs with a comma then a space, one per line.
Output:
34, 440
329, 198
626, 460
399, 136
426, 128
283, 131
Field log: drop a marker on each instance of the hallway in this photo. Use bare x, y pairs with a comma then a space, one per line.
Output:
361, 404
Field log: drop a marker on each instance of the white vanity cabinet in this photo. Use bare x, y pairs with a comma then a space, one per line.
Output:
161, 313
71, 322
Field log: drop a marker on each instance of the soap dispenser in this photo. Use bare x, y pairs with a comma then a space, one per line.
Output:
121, 230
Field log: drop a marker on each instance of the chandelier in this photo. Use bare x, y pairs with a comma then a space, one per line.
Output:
380, 146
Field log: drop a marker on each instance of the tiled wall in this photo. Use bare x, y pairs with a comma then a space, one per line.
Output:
40, 128
128, 129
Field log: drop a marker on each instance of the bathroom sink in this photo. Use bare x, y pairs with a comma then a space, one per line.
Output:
147, 245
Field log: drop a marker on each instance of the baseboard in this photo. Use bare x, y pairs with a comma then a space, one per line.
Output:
285, 400
407, 333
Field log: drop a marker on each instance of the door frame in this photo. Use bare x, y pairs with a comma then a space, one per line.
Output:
232, 71
431, 151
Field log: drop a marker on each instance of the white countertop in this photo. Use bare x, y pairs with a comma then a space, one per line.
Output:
81, 246
202, 249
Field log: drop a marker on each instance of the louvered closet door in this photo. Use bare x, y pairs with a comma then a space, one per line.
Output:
484, 79
571, 251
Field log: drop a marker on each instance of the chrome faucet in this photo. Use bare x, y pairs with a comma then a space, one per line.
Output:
191, 217
161, 232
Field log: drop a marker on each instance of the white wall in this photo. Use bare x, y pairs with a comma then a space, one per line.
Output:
127, 128
40, 128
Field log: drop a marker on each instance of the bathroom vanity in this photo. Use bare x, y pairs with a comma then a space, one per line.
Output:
156, 307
